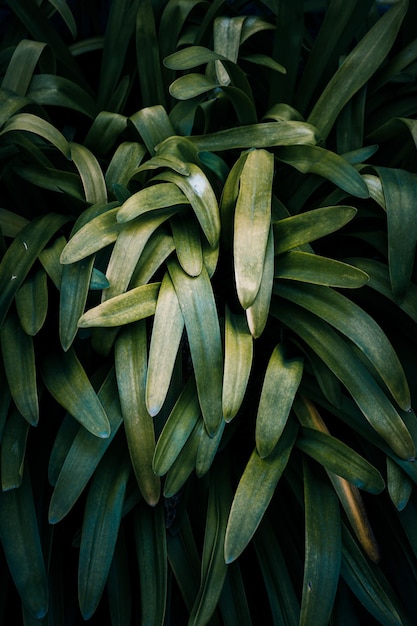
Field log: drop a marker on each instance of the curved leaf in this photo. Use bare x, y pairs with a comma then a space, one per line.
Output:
102, 516
323, 549
21, 254
341, 359
198, 306
238, 355
131, 369
252, 224
282, 379
319, 270
358, 326
329, 165
257, 485
67, 382
340, 459
167, 331
294, 231
134, 305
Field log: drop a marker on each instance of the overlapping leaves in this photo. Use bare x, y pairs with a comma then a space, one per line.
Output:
192, 281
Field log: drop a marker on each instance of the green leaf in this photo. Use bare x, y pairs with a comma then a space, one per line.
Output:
337, 31
52, 90
128, 248
340, 459
11, 223
400, 193
329, 165
153, 125
196, 298
197, 188
148, 57
186, 234
399, 485
134, 305
258, 312
90, 173
207, 449
177, 429
191, 85
19, 363
322, 549
102, 517
372, 590
32, 302
190, 57
13, 450
292, 232
118, 34
264, 135
22, 253
41, 29
167, 331
125, 160
282, 379
131, 370
213, 566
22, 65
67, 382
379, 280
151, 198
344, 363
358, 326
238, 356
20, 537
283, 600
252, 224
34, 124
84, 455
319, 270
98, 233
118, 587
75, 286
357, 68
184, 464
151, 550
257, 485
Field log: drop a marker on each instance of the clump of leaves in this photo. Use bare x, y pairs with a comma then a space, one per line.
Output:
208, 308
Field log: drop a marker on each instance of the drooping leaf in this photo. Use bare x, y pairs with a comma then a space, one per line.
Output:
102, 517
198, 307
19, 533
67, 381
134, 305
19, 364
329, 165
21, 255
341, 359
151, 549
323, 549
84, 455
252, 224
167, 331
257, 485
312, 268
282, 378
178, 427
131, 372
358, 326
238, 356
357, 68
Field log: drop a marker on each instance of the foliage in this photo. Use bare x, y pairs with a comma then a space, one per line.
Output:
208, 298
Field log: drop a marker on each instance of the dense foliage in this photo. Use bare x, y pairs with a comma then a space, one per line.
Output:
208, 309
